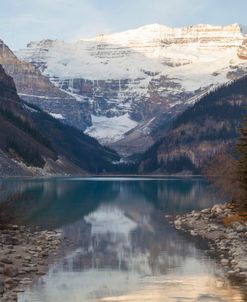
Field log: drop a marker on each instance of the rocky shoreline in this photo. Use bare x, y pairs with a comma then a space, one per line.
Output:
227, 235
24, 257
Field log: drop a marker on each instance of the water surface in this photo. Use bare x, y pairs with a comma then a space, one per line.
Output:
123, 247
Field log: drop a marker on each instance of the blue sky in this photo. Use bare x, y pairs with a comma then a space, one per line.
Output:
22, 21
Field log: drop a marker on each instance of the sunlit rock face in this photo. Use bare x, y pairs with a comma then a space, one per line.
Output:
242, 51
148, 75
35, 88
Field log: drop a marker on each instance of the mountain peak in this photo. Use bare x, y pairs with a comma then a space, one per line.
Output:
154, 26
159, 31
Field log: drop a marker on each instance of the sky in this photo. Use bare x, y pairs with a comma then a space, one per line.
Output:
22, 21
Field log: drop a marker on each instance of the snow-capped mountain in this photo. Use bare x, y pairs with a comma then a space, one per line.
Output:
136, 81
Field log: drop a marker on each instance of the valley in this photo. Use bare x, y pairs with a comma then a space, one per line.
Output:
123, 151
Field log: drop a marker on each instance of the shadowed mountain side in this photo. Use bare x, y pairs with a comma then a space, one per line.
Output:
19, 139
81, 149
200, 132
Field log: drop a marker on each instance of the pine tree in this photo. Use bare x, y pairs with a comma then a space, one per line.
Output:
242, 161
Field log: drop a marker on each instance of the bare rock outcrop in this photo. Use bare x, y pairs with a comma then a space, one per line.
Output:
242, 51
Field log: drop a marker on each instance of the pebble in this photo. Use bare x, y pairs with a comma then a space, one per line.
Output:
23, 258
224, 262
6, 260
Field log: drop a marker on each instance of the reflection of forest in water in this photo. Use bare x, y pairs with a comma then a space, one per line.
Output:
55, 202
64, 202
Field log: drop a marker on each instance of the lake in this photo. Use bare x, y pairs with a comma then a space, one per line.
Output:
121, 248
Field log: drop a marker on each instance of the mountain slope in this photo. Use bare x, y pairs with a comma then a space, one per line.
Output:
33, 142
137, 81
37, 89
200, 132
81, 149
19, 139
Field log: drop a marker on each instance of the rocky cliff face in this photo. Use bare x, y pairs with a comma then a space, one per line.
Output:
208, 128
242, 51
139, 80
35, 88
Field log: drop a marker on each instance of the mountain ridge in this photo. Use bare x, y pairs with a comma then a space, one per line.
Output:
157, 27
137, 81
208, 128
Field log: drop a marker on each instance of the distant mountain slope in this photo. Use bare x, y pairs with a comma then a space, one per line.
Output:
207, 128
135, 82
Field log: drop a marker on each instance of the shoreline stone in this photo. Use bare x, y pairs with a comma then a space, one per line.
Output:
24, 257
229, 241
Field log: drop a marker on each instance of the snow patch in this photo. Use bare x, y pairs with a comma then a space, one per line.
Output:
110, 220
57, 115
127, 55
110, 129
30, 108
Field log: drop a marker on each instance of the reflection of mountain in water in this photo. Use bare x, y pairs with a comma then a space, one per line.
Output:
117, 240
55, 202
127, 253
123, 250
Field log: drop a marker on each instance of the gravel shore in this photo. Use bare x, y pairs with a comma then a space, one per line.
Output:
24, 257
227, 234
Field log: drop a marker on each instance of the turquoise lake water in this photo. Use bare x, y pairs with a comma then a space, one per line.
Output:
123, 247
